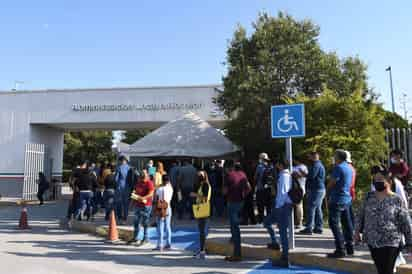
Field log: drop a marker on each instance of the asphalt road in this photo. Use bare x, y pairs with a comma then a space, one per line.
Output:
48, 249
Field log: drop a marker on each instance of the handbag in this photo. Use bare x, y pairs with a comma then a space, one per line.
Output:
202, 209
161, 206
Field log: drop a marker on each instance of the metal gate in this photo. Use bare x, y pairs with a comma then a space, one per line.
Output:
34, 163
400, 138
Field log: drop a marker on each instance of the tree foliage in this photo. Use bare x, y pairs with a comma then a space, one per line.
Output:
393, 120
131, 136
95, 146
281, 59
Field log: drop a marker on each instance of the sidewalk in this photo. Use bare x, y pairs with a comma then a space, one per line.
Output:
309, 251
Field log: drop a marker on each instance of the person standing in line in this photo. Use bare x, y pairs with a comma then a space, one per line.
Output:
122, 195
315, 194
300, 172
263, 186
281, 214
84, 182
143, 196
339, 205
160, 171
383, 221
75, 200
248, 211
109, 190
164, 194
353, 184
398, 167
202, 192
173, 176
236, 190
43, 186
186, 179
151, 170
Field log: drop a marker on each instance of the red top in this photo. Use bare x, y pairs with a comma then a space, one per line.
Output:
237, 187
142, 189
401, 171
352, 186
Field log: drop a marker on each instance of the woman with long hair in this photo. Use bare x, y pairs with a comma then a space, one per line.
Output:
202, 193
160, 171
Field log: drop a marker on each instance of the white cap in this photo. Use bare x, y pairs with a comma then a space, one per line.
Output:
348, 157
264, 156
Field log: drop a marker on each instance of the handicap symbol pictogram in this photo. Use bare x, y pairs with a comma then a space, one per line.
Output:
287, 123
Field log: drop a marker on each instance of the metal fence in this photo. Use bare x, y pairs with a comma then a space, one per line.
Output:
400, 138
34, 163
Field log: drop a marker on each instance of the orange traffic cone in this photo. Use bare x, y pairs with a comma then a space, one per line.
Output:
23, 223
113, 234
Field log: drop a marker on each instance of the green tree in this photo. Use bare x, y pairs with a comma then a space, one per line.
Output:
131, 136
95, 146
281, 59
393, 120
334, 121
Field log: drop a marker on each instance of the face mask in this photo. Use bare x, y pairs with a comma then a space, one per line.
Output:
379, 186
150, 164
260, 161
333, 161
394, 161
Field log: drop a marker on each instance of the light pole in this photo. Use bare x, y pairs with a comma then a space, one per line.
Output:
390, 78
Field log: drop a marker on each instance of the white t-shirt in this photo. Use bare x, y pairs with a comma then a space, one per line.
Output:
301, 169
165, 193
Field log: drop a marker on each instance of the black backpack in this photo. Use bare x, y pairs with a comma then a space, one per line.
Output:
296, 192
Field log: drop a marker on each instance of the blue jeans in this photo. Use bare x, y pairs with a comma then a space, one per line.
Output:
85, 204
234, 210
164, 224
122, 198
203, 226
282, 216
340, 214
185, 205
108, 198
141, 217
218, 204
314, 213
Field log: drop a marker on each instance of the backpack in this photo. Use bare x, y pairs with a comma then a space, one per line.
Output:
161, 208
296, 192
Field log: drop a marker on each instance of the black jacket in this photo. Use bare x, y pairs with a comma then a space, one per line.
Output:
84, 179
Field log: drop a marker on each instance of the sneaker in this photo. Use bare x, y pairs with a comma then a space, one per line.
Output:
350, 251
318, 231
167, 247
233, 258
202, 255
273, 246
143, 242
305, 232
337, 254
131, 242
282, 262
196, 254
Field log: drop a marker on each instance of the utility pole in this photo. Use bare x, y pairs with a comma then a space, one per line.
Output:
390, 78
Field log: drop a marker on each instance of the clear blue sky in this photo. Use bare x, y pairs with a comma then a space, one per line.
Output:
90, 43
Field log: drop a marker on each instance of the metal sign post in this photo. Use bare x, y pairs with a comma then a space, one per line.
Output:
288, 121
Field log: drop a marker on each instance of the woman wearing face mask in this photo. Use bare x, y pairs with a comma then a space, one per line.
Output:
201, 194
383, 220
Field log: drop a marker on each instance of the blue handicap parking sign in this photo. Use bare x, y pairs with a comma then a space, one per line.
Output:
288, 121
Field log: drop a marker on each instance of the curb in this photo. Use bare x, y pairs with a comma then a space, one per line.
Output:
313, 260
252, 252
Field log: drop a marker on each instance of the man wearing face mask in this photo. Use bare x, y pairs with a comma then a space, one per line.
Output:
340, 202
399, 167
264, 178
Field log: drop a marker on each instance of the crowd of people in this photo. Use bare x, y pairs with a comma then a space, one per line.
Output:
265, 193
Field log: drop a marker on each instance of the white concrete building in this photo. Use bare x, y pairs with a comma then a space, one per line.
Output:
32, 123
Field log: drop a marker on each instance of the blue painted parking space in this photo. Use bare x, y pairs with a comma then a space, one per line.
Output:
267, 268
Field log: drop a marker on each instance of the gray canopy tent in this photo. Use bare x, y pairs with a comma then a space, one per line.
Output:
187, 137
